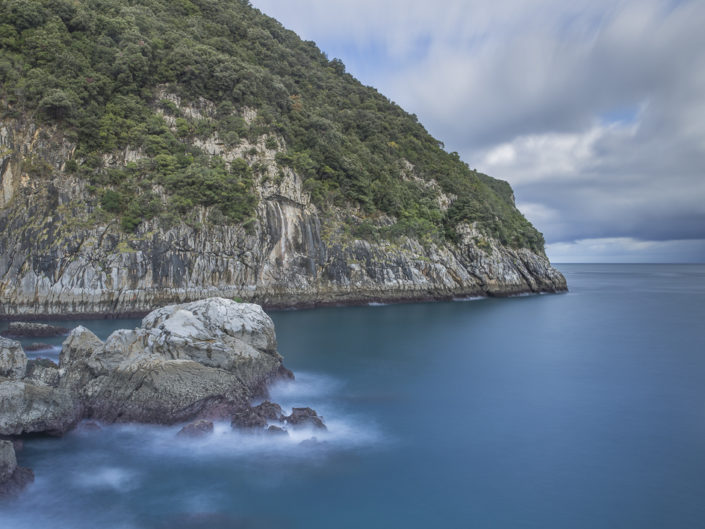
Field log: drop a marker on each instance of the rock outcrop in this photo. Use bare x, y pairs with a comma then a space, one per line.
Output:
191, 362
194, 360
21, 329
203, 359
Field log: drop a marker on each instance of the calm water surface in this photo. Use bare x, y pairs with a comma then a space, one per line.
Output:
580, 410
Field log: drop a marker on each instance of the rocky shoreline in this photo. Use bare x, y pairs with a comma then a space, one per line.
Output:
196, 362
301, 305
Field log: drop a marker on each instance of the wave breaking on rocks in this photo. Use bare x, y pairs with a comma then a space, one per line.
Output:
202, 361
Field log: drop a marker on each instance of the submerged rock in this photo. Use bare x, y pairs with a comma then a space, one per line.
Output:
313, 442
196, 429
21, 329
13, 478
277, 430
8, 463
13, 361
305, 417
257, 416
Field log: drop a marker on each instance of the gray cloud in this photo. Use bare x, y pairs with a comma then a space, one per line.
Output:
593, 110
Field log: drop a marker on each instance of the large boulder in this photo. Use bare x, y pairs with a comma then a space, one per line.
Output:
29, 408
162, 391
202, 359
216, 332
13, 361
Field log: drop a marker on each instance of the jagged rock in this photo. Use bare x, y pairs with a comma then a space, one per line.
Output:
79, 346
269, 410
196, 429
21, 329
13, 361
12, 477
42, 371
257, 416
305, 417
248, 419
218, 333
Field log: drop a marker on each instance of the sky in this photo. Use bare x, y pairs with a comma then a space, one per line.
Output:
593, 110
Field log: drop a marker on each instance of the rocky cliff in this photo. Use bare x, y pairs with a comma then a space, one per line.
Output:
60, 256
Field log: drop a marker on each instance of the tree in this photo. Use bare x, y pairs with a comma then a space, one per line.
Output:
57, 104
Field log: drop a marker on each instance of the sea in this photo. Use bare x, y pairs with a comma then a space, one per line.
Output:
568, 411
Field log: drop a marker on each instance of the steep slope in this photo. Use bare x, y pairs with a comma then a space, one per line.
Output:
155, 152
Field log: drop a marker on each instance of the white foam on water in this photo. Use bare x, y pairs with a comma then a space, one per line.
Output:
344, 431
469, 298
377, 304
118, 460
112, 478
306, 387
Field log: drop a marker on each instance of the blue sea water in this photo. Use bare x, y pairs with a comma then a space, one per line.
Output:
578, 410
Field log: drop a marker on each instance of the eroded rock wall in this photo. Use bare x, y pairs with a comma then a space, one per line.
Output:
56, 259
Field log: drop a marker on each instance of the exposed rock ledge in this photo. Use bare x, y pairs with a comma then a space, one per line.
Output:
206, 359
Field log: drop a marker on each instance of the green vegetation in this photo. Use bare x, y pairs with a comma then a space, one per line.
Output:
100, 69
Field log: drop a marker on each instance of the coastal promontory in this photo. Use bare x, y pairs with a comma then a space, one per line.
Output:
156, 152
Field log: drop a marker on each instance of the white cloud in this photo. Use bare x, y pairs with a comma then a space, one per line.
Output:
627, 250
593, 110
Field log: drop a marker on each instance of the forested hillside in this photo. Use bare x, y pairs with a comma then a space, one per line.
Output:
107, 73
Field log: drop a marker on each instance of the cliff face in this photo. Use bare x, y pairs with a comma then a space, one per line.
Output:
60, 254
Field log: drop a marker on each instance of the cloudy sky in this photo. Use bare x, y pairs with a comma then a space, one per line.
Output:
594, 110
